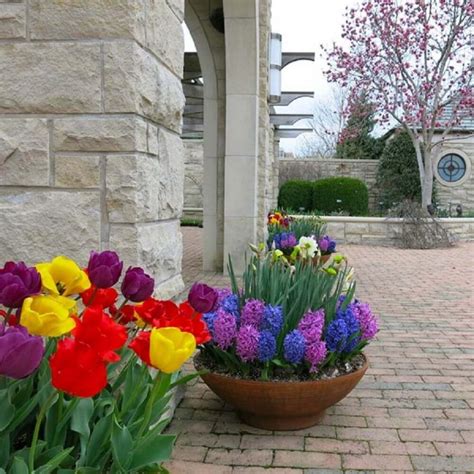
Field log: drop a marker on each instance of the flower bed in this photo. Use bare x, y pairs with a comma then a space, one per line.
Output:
85, 380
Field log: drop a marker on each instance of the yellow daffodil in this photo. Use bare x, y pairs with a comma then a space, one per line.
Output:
62, 276
48, 315
170, 348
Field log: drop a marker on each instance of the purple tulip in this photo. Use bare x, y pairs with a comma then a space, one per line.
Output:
20, 353
17, 282
137, 286
104, 269
202, 298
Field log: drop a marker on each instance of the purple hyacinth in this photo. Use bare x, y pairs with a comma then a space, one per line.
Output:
17, 282
367, 320
225, 329
315, 353
266, 346
222, 294
311, 325
246, 345
252, 313
285, 240
327, 245
231, 305
272, 320
294, 347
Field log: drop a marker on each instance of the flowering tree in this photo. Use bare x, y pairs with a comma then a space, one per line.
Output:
413, 58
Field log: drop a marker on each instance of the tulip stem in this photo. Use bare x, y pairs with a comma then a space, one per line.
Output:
39, 420
159, 388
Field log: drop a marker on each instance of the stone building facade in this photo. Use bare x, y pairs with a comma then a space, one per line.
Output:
91, 103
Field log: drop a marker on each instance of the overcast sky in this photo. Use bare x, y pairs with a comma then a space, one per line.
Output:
304, 25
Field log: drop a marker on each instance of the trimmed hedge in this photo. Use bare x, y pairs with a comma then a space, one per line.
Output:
295, 194
341, 194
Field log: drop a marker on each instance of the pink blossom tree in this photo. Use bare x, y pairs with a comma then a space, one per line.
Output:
414, 60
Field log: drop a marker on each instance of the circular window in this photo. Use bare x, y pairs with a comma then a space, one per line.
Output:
451, 168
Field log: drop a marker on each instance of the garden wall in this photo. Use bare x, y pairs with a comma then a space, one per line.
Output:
384, 231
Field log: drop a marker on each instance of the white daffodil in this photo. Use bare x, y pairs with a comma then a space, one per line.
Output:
308, 247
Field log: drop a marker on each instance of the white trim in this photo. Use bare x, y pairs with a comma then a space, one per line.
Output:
455, 151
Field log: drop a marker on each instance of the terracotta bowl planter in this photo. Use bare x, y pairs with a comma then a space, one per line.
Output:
282, 405
321, 259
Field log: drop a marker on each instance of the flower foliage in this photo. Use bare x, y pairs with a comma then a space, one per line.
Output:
298, 318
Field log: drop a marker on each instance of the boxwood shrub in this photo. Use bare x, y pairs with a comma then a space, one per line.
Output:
295, 194
341, 194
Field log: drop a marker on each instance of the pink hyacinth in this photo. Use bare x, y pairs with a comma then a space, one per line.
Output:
315, 353
311, 325
247, 343
368, 321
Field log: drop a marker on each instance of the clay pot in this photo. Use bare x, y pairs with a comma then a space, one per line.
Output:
321, 259
282, 405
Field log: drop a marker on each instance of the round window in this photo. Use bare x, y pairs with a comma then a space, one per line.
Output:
451, 168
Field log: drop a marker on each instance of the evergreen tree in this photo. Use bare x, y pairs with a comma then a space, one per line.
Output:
356, 141
398, 176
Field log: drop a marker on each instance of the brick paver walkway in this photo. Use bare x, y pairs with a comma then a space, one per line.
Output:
414, 409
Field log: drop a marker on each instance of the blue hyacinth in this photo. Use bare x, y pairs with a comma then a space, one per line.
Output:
266, 346
231, 305
209, 320
343, 334
272, 320
294, 346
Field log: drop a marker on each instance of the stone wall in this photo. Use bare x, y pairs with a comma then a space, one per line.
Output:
382, 231
462, 193
90, 118
193, 178
312, 169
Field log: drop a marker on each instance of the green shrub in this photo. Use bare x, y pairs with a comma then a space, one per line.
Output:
295, 194
341, 194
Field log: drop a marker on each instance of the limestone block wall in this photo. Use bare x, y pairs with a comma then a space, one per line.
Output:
312, 169
265, 151
382, 231
90, 118
462, 193
193, 177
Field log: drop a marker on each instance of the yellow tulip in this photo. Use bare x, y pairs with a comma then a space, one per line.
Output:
170, 348
48, 315
62, 276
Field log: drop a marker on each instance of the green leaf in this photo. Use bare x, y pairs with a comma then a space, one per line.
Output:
7, 413
80, 421
4, 450
97, 441
187, 378
55, 462
152, 451
122, 445
19, 466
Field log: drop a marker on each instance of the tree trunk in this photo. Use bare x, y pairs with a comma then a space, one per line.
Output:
427, 182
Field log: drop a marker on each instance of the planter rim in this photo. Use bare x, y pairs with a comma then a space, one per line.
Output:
287, 382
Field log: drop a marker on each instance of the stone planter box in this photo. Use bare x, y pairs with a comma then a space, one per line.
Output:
384, 231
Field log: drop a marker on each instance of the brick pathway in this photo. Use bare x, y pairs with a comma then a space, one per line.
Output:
414, 409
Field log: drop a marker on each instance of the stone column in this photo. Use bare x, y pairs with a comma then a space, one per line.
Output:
210, 46
90, 118
242, 127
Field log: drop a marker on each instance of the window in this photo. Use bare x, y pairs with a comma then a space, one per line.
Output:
451, 168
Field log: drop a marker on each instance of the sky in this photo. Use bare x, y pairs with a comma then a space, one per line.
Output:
304, 25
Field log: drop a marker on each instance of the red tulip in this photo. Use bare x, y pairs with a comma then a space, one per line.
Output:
101, 332
77, 369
